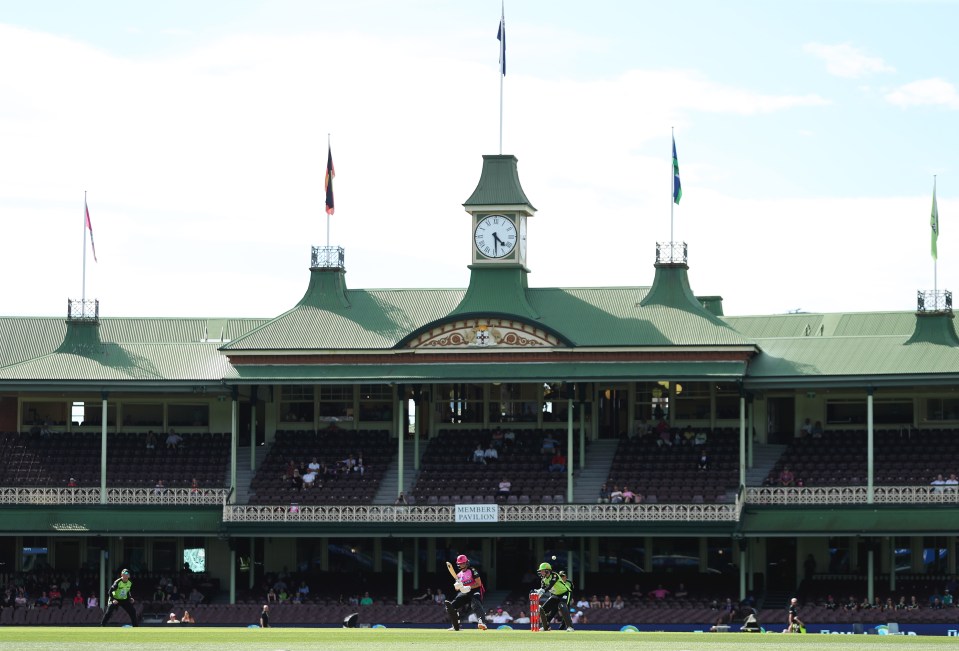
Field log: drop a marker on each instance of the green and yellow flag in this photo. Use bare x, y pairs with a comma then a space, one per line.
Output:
934, 223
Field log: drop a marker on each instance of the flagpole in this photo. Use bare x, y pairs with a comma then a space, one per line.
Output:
83, 293
502, 69
328, 212
935, 259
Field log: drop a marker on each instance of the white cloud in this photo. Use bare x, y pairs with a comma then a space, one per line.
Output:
925, 92
847, 61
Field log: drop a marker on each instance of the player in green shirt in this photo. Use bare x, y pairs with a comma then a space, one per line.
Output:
120, 597
553, 595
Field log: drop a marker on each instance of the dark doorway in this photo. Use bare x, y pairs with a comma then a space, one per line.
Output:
613, 412
245, 417
781, 419
781, 563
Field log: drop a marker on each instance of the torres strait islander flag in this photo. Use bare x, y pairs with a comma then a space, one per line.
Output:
328, 182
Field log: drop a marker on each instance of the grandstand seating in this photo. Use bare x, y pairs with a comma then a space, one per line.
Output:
902, 457
30, 459
270, 485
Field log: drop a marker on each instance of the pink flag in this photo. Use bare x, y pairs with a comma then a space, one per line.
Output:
90, 228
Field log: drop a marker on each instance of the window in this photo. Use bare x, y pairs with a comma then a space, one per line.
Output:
38, 413
892, 412
727, 402
692, 401
296, 404
376, 402
336, 402
164, 556
942, 409
460, 403
188, 415
195, 557
846, 412
142, 415
512, 402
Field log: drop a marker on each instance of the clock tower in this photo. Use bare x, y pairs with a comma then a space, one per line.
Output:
498, 209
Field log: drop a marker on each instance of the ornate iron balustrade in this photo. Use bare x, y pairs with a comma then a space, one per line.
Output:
507, 513
671, 253
83, 310
170, 496
934, 301
833, 495
327, 257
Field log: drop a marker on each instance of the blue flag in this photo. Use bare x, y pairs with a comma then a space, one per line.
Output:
677, 186
501, 37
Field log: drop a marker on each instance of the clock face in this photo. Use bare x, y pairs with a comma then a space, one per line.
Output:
495, 236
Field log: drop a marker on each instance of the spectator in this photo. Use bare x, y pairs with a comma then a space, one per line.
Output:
583, 602
401, 499
72, 483
618, 603
78, 599
604, 494
151, 440
616, 495
187, 618
159, 488
93, 601
501, 617
490, 454
172, 619
56, 597
440, 597
196, 597
195, 486
522, 618
367, 600
786, 477
607, 602
660, 592
479, 454
504, 487
594, 602
629, 497
173, 440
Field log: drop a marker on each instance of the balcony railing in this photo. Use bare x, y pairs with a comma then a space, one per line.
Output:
837, 495
934, 301
83, 310
168, 496
671, 253
327, 257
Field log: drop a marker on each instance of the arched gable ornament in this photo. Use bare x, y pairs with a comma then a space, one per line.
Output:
485, 333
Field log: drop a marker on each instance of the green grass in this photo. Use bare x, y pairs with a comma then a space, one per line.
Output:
48, 638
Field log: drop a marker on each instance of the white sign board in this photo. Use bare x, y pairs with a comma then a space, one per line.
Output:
477, 512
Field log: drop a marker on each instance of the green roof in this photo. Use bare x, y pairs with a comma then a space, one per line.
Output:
498, 185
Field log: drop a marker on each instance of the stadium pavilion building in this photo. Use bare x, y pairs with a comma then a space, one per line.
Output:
632, 385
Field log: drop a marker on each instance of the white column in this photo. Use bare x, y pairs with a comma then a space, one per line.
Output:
400, 435
870, 468
742, 439
234, 443
569, 450
103, 453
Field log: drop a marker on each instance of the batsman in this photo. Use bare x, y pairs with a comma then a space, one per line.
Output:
469, 588
554, 592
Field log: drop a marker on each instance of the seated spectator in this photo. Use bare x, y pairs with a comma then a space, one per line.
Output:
72, 483
607, 602
947, 598
616, 495
629, 497
271, 596
549, 445
701, 438
851, 604
196, 597
78, 599
151, 440
501, 617
604, 494
913, 603
618, 602
359, 467
935, 605
660, 592
817, 430
901, 604
594, 602
583, 602
888, 604
173, 440
159, 594
505, 486
496, 440
832, 605
93, 601
401, 499
309, 479
314, 465
479, 454
367, 600
490, 454
439, 597
195, 486
786, 477
159, 488
172, 619
938, 482
558, 462
187, 618
703, 463
43, 600
522, 618
56, 597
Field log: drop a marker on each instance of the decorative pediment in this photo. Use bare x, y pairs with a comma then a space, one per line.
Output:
485, 333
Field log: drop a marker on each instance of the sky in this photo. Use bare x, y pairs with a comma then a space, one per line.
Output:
808, 135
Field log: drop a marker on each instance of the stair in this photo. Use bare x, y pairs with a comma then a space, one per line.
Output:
599, 459
388, 490
244, 476
765, 457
